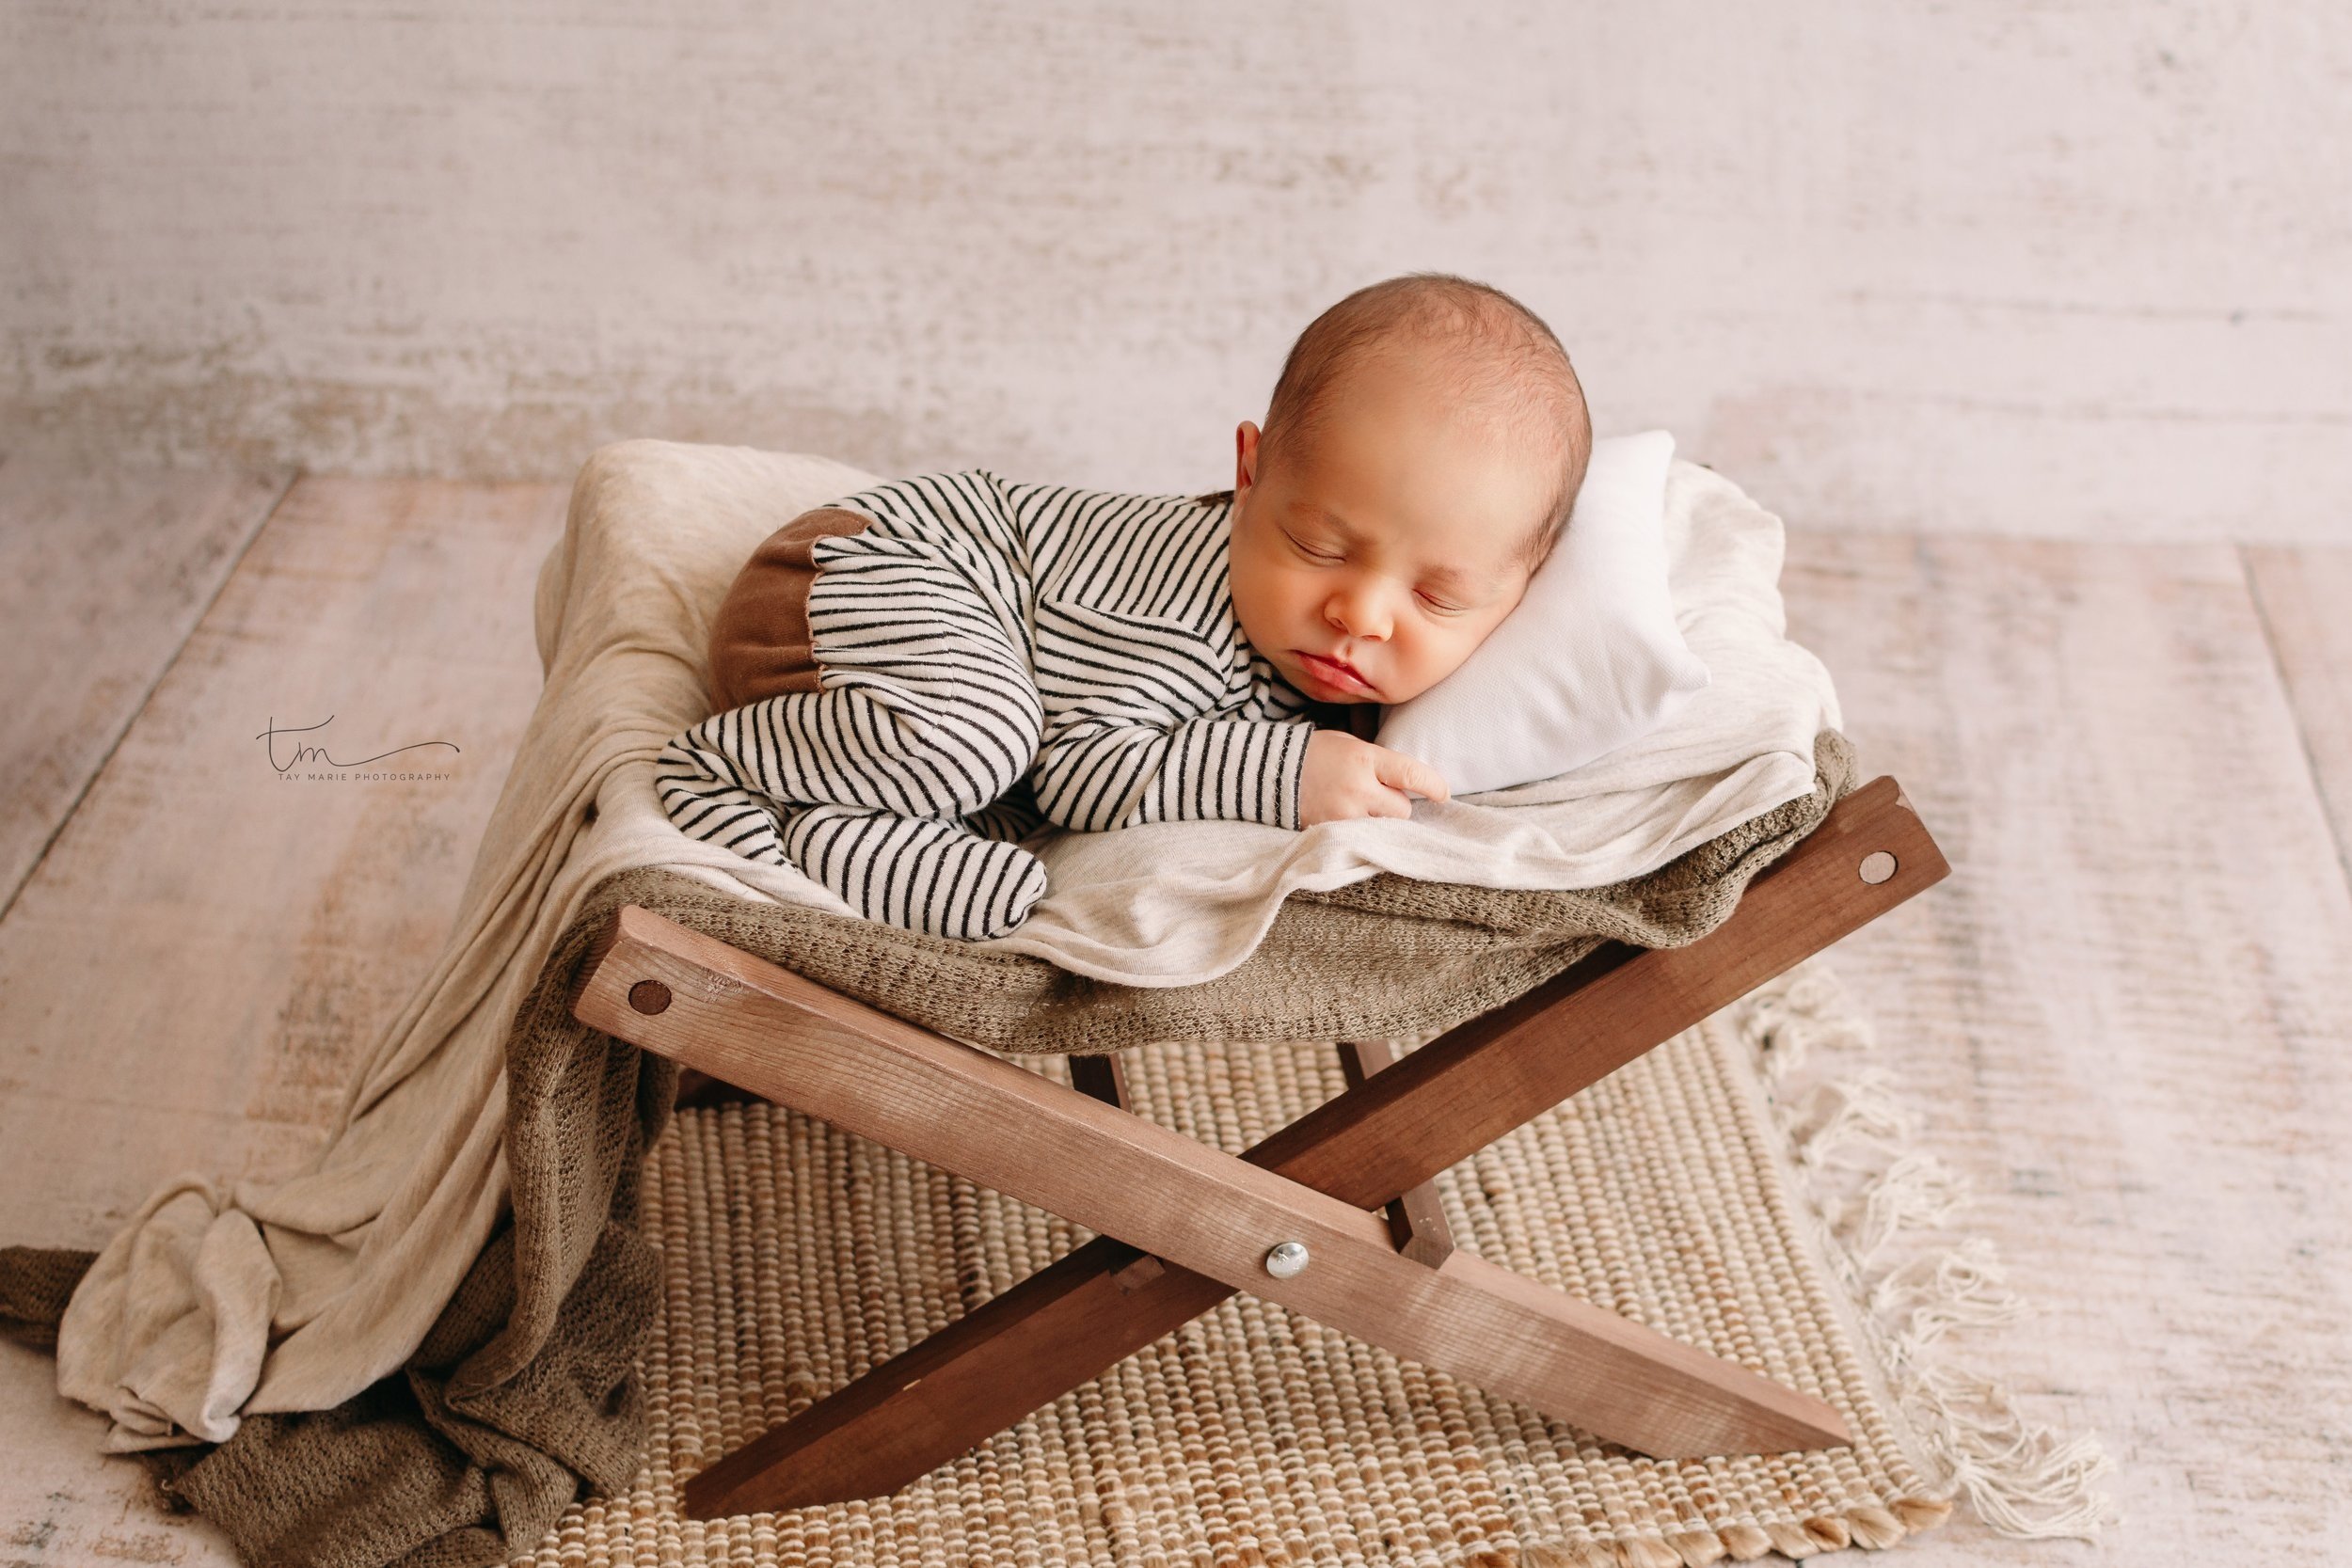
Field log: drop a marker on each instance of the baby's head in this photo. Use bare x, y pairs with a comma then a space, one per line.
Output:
1423, 449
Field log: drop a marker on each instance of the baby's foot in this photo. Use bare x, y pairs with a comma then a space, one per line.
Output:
917, 873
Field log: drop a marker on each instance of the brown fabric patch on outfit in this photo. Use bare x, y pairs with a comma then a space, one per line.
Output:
759, 641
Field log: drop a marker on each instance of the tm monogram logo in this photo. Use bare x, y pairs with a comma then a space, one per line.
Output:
324, 766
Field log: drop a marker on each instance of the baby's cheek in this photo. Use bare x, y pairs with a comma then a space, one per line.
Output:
1269, 594
1458, 645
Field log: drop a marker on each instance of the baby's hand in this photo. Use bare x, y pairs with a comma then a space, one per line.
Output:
1345, 777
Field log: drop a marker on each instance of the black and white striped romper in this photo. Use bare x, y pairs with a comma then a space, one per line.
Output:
991, 652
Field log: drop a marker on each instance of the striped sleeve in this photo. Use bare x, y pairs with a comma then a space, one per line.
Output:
1096, 773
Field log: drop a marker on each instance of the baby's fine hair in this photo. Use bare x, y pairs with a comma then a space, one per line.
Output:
1497, 355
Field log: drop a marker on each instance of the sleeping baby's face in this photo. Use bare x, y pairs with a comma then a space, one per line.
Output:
1373, 557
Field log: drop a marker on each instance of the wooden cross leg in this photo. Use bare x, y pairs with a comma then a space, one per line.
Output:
1182, 1224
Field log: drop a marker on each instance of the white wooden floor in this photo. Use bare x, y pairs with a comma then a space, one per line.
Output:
2128, 1013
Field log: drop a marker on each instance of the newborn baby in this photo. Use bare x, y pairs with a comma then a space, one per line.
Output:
911, 677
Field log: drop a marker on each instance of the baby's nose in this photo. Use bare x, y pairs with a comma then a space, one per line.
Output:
1358, 613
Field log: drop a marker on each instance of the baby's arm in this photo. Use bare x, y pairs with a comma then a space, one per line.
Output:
1100, 770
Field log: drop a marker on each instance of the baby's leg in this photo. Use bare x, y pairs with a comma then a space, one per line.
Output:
922, 873
887, 784
778, 780
1014, 815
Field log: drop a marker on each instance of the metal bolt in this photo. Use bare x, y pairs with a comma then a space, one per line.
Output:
1287, 1260
649, 996
1877, 866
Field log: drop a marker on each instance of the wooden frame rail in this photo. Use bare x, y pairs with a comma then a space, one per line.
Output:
1181, 1224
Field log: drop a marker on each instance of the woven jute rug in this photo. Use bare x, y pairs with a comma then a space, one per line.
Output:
796, 1256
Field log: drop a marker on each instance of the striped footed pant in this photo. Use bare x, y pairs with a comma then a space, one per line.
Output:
907, 809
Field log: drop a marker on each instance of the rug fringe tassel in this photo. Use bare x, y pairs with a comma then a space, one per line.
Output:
1855, 1141
1745, 1543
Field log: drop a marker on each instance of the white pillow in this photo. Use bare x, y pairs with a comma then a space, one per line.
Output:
1590, 660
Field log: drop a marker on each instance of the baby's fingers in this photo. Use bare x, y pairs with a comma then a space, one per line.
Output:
1399, 771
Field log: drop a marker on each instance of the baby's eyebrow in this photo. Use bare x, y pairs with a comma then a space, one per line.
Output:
1453, 578
1317, 512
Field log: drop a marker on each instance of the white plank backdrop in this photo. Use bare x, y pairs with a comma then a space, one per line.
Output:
2028, 266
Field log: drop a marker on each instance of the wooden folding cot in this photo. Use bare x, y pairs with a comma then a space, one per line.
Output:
1333, 1216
